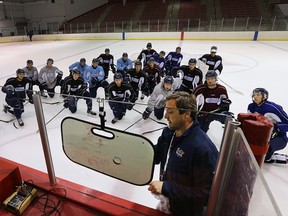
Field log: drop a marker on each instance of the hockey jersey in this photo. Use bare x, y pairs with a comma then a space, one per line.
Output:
21, 87
91, 73
81, 68
31, 73
190, 78
119, 93
73, 87
174, 58
49, 75
121, 64
214, 63
146, 55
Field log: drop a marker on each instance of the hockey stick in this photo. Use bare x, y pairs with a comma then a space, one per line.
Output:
52, 118
52, 103
239, 92
133, 124
149, 117
146, 132
7, 121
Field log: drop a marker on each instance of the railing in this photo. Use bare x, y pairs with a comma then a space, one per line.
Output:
170, 25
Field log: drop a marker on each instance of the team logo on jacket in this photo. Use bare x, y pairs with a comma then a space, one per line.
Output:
180, 152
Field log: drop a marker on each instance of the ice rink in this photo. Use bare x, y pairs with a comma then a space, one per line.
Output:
247, 65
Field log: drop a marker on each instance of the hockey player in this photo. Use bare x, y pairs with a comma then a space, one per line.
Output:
94, 76
107, 62
213, 61
160, 61
157, 100
190, 75
146, 54
32, 73
173, 60
278, 116
81, 66
137, 79
16, 89
120, 94
50, 77
152, 72
212, 100
124, 64
73, 89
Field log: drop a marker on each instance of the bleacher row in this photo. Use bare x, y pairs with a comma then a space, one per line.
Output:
143, 10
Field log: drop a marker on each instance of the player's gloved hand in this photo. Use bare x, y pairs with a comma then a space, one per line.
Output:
146, 113
113, 70
94, 80
9, 89
59, 73
275, 131
44, 85
225, 104
228, 113
66, 103
31, 100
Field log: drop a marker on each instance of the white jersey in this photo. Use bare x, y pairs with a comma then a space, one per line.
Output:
49, 75
31, 73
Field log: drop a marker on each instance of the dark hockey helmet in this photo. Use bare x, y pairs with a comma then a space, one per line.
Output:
162, 52
213, 49
50, 60
151, 59
20, 71
149, 45
124, 55
168, 79
138, 63
29, 61
95, 60
262, 91
192, 61
211, 73
83, 60
178, 48
118, 76
107, 50
75, 71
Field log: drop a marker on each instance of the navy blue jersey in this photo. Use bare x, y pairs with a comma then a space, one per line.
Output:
214, 63
21, 87
190, 78
159, 61
174, 58
146, 55
189, 171
118, 93
73, 87
273, 112
136, 79
106, 61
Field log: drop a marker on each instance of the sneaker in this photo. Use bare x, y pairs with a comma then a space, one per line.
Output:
20, 122
91, 112
43, 94
5, 108
114, 120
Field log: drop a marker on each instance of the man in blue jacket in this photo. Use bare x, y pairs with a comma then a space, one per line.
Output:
187, 159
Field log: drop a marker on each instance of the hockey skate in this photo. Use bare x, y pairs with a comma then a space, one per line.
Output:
6, 108
20, 122
43, 94
114, 120
91, 112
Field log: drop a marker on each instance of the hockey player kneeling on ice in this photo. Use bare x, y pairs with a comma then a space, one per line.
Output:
190, 75
50, 77
157, 100
120, 96
16, 89
152, 72
74, 88
94, 76
213, 61
212, 100
81, 66
278, 116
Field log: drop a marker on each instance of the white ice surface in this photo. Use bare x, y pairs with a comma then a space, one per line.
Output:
247, 65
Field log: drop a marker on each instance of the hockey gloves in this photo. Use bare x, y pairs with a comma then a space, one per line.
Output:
146, 113
94, 80
225, 104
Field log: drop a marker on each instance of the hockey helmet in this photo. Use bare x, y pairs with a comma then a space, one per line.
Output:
162, 52
149, 45
178, 48
20, 71
213, 49
192, 61
50, 60
29, 61
211, 73
95, 60
151, 59
262, 91
138, 63
118, 76
107, 50
168, 79
124, 55
75, 71
83, 60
